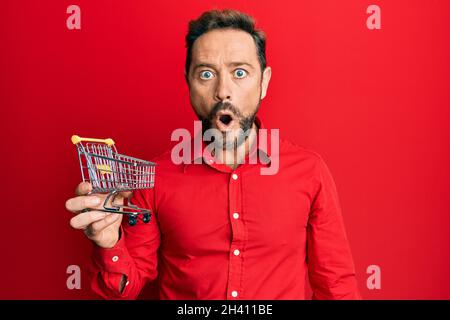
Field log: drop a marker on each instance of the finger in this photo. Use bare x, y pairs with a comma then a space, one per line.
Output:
126, 194
82, 202
83, 220
98, 226
83, 188
118, 200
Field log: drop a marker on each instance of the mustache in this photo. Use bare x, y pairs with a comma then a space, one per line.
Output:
219, 106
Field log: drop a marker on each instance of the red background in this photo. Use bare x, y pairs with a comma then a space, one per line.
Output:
373, 103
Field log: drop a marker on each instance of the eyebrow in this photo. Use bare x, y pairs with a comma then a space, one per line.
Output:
231, 64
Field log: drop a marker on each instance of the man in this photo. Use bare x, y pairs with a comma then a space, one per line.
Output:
221, 229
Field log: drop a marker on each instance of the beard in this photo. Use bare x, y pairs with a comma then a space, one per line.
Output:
233, 138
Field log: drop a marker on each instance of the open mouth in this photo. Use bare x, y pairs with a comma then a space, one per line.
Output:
224, 120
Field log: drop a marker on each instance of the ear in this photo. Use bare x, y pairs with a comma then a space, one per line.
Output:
265, 81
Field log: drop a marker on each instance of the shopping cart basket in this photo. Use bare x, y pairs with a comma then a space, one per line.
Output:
111, 172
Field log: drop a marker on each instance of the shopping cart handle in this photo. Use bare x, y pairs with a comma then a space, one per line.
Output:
77, 139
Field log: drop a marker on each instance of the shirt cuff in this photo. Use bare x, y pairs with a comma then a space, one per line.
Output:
115, 259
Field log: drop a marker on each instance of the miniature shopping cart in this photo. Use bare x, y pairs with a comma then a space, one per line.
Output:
111, 172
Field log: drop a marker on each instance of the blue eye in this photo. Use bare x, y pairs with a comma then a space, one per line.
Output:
240, 73
206, 75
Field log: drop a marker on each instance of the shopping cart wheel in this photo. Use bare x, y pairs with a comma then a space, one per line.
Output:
132, 219
146, 217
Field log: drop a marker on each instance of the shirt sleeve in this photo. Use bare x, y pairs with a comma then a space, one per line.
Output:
330, 264
135, 255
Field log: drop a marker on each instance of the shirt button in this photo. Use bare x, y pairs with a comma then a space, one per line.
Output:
234, 176
115, 258
236, 252
234, 294
236, 215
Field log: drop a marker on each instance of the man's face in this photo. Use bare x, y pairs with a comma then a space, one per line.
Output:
225, 81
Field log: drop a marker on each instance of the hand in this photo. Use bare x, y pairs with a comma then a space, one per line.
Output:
100, 227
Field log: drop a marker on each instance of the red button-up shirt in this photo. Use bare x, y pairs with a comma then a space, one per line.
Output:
219, 233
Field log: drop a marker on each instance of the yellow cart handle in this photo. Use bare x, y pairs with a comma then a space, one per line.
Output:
77, 139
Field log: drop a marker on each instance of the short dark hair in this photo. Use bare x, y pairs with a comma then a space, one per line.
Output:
225, 19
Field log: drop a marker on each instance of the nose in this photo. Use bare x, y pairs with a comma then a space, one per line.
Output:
223, 89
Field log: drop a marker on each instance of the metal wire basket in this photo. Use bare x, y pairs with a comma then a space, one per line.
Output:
111, 172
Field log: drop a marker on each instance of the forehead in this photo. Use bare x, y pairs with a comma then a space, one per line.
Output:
224, 45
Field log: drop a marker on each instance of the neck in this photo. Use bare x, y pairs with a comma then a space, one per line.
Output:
234, 157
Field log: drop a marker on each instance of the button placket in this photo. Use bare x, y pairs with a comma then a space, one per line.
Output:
237, 236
